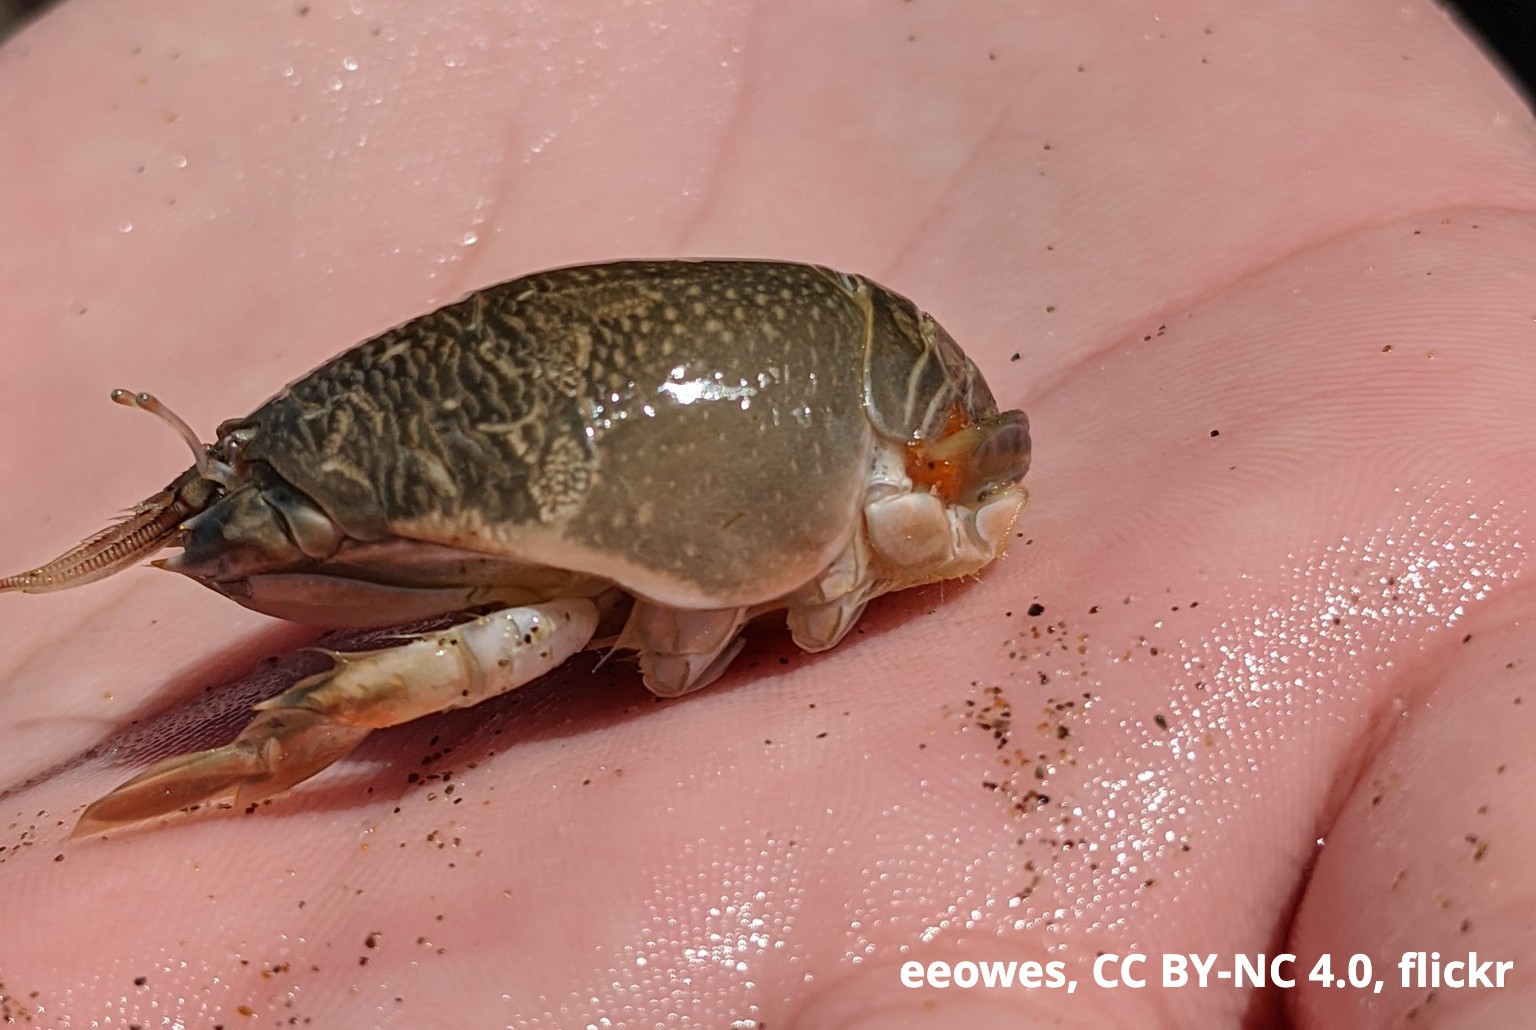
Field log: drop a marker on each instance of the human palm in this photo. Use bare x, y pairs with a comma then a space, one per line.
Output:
1264, 286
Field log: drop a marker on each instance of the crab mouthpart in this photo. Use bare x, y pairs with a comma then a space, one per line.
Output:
140, 533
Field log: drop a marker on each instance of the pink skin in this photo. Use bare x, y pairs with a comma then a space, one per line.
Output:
1307, 232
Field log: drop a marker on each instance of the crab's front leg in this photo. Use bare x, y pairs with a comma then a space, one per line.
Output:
300, 732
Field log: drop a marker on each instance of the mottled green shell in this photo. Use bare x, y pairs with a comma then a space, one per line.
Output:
711, 421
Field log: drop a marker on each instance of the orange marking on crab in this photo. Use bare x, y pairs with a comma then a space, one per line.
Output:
941, 464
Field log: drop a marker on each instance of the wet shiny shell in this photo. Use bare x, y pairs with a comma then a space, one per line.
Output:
699, 432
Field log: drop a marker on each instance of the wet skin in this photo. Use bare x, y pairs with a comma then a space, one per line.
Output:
1269, 287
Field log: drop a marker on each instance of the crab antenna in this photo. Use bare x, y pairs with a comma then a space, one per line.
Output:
207, 466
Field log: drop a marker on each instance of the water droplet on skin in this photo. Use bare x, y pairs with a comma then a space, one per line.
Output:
125, 227
469, 239
335, 85
180, 160
349, 64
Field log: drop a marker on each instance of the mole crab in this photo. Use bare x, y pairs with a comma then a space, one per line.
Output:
641, 455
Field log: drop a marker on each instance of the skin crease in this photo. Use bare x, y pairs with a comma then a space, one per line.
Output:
1265, 286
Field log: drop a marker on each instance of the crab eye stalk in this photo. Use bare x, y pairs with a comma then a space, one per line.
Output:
207, 465
147, 527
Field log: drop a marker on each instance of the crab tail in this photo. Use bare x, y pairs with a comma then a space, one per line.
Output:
140, 533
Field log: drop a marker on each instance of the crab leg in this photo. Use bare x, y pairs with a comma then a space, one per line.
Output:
682, 651
322, 718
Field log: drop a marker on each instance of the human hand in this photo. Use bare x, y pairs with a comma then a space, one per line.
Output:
1269, 287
